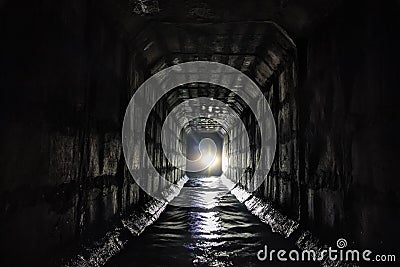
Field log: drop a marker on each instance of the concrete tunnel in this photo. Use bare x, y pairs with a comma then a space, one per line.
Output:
328, 70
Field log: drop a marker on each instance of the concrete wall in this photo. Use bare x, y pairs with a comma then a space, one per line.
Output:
349, 117
335, 108
66, 77
281, 185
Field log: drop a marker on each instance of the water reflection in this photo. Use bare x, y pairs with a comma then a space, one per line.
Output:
216, 231
206, 228
205, 225
202, 192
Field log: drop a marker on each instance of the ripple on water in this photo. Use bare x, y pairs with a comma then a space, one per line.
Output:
217, 230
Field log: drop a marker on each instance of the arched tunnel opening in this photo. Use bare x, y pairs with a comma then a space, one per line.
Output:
199, 133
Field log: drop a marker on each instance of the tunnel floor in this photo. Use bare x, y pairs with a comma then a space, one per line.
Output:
216, 232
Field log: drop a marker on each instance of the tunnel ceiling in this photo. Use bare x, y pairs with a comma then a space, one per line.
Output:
247, 36
204, 124
296, 17
190, 91
255, 48
258, 49
208, 123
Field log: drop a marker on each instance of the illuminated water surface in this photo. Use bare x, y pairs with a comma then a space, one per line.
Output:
217, 231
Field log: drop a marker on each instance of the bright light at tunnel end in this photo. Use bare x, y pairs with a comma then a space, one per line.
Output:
208, 154
139, 162
212, 161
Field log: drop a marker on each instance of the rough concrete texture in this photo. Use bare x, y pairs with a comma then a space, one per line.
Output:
69, 68
68, 74
348, 123
282, 184
96, 252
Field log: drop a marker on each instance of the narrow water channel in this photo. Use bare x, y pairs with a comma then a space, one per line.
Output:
217, 231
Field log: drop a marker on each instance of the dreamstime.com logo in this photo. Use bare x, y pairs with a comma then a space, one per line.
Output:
333, 254
144, 99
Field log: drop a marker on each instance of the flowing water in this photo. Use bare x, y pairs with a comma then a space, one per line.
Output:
217, 231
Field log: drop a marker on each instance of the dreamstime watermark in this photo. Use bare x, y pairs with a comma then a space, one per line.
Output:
340, 253
139, 162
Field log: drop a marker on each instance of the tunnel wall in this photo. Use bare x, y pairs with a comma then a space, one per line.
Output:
281, 185
66, 76
348, 105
